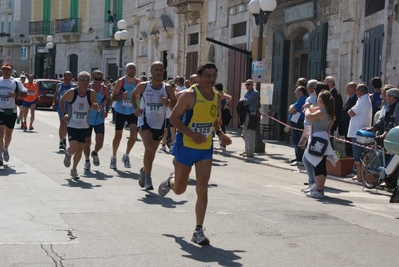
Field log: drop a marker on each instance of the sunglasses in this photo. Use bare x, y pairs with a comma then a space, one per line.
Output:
97, 79
84, 79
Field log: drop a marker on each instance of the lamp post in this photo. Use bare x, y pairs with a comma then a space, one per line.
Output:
49, 47
261, 10
121, 36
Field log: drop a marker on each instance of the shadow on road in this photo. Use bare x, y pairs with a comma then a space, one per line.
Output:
6, 170
98, 175
127, 174
166, 202
80, 183
208, 253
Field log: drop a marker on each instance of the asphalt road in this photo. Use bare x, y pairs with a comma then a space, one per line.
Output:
256, 214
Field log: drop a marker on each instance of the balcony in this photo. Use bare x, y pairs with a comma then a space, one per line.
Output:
6, 6
40, 28
186, 6
14, 40
68, 26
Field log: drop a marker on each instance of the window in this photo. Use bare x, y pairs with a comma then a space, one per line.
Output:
239, 29
373, 6
193, 39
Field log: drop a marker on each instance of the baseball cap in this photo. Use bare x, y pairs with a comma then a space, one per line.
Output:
6, 66
129, 64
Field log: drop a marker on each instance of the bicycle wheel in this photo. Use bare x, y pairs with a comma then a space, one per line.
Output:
369, 164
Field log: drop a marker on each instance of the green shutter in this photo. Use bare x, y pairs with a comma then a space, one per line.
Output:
107, 6
317, 52
118, 11
74, 9
46, 17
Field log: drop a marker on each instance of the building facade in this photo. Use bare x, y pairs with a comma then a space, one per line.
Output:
14, 40
352, 40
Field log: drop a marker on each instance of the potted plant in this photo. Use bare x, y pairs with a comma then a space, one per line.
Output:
21, 35
343, 167
2, 34
7, 34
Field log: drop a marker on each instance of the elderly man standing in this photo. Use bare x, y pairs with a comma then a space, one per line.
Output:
361, 115
343, 124
251, 100
296, 117
330, 81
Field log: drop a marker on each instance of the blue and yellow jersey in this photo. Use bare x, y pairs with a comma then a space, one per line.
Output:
200, 118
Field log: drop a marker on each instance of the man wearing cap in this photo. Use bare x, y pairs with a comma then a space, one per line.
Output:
10, 89
124, 113
20, 101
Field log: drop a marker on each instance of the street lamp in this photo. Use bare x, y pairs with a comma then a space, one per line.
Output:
49, 47
121, 36
261, 10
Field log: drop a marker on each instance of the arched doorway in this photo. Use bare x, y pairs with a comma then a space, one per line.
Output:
73, 65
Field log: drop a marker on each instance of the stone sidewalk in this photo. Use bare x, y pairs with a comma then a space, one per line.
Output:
277, 154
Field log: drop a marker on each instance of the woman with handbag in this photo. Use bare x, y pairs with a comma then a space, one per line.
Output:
319, 147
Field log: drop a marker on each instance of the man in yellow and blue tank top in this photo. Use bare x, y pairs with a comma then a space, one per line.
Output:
196, 117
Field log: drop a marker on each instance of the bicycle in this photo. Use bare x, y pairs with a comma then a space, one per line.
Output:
373, 167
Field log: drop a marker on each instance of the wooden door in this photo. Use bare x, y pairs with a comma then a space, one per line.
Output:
317, 52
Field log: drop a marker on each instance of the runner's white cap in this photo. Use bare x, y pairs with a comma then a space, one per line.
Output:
129, 64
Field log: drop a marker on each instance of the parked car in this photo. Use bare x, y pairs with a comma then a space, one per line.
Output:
46, 91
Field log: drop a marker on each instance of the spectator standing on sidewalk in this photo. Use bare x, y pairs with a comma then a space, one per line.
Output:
330, 81
251, 101
343, 125
361, 117
296, 117
225, 100
321, 118
375, 96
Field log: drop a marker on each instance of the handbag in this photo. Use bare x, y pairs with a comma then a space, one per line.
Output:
317, 146
303, 142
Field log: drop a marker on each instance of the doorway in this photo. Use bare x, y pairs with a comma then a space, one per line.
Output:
300, 56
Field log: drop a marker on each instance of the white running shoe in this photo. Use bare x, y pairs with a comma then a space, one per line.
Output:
164, 187
315, 194
6, 155
87, 165
112, 165
74, 174
199, 237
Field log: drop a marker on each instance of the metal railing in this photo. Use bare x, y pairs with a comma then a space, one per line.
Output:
69, 25
41, 27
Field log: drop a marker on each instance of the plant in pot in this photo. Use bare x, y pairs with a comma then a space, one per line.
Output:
343, 167
2, 34
7, 34
21, 35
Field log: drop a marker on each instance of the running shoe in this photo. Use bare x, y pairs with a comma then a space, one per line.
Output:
31, 127
164, 187
74, 174
1, 162
126, 161
163, 148
113, 163
309, 189
22, 125
18, 120
199, 237
67, 160
96, 160
148, 184
25, 127
87, 165
6, 155
142, 178
315, 194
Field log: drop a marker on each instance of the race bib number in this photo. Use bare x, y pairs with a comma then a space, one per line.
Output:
4, 99
126, 102
203, 128
79, 116
31, 93
154, 107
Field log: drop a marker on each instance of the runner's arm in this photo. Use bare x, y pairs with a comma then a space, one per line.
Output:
66, 97
116, 95
135, 97
55, 99
171, 95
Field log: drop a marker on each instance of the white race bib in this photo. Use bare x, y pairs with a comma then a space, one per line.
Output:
154, 108
126, 102
30, 92
79, 116
4, 99
203, 128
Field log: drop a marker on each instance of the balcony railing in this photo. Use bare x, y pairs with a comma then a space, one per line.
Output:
70, 25
41, 27
15, 39
175, 3
6, 6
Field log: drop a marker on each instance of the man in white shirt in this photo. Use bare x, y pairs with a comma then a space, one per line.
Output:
361, 114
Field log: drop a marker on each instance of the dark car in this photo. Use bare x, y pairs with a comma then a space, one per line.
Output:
46, 91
